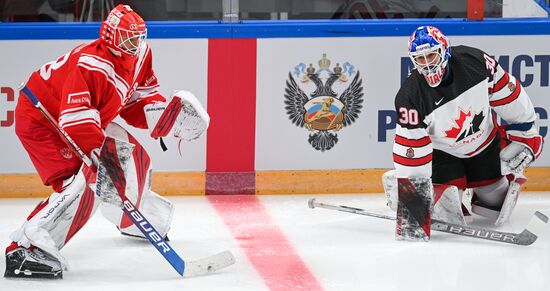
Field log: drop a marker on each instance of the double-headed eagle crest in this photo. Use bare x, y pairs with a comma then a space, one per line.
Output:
323, 111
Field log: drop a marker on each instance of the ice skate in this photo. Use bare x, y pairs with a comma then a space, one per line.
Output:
33, 264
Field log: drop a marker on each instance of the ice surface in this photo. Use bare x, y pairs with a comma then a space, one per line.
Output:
343, 251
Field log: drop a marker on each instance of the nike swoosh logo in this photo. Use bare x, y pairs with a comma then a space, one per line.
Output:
437, 102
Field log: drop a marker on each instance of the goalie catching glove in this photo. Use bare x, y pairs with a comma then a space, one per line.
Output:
525, 146
183, 117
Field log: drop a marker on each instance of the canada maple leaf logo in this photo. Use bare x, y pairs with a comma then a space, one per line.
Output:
459, 124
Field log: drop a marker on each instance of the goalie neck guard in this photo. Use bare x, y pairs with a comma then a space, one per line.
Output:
123, 30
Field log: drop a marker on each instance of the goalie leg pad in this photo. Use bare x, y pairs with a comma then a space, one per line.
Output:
60, 217
448, 205
414, 209
510, 201
487, 200
158, 210
447, 201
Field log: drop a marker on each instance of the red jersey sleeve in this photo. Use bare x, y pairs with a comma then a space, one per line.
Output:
77, 115
146, 93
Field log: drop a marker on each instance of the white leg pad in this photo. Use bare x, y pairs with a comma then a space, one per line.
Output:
156, 209
50, 227
448, 207
489, 199
509, 203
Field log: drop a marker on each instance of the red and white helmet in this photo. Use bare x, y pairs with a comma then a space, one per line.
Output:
123, 30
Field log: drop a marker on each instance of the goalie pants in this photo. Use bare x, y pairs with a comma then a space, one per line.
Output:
49, 153
480, 170
58, 218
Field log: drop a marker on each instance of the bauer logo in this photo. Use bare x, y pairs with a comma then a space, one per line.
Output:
323, 99
146, 228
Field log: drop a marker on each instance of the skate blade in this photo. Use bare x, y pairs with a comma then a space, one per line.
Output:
27, 274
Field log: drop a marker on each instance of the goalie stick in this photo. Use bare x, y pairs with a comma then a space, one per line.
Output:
184, 268
527, 237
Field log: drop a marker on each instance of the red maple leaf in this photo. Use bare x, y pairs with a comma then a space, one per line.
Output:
455, 131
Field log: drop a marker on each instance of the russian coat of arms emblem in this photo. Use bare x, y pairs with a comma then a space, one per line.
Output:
323, 100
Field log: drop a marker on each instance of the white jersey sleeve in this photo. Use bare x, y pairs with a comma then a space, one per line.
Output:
509, 99
412, 152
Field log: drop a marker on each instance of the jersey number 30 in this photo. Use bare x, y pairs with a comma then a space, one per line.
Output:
408, 116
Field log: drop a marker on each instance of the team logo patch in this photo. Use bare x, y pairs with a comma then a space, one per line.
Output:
466, 127
79, 98
410, 153
66, 153
511, 86
323, 100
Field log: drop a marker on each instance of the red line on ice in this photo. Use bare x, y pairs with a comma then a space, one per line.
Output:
264, 243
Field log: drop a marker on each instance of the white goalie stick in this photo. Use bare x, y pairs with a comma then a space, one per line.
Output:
184, 268
527, 237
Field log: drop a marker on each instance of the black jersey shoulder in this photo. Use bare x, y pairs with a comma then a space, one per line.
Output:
472, 61
410, 92
412, 96
467, 68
